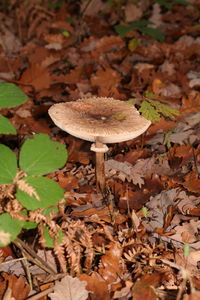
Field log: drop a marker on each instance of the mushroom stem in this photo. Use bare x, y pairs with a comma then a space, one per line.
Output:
100, 149
100, 172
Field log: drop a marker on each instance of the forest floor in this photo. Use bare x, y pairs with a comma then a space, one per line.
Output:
142, 239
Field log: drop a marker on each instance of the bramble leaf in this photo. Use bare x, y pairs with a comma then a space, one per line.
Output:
40, 155
6, 127
9, 229
11, 95
8, 165
43, 192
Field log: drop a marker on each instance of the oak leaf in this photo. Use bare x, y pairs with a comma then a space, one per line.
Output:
69, 288
37, 76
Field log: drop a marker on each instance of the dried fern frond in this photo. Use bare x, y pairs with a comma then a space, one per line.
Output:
27, 188
59, 251
13, 206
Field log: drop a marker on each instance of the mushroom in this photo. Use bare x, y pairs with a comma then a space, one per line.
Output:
100, 120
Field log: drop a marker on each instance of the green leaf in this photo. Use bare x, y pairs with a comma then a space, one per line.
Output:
9, 229
149, 112
49, 242
133, 44
39, 192
122, 30
6, 127
40, 155
148, 94
166, 139
11, 95
186, 250
164, 4
182, 2
65, 33
141, 26
50, 210
153, 32
8, 165
120, 117
30, 225
165, 110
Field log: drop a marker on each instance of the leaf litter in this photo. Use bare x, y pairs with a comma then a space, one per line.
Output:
132, 243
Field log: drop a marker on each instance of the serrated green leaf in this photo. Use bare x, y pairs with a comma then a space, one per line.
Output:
153, 32
149, 112
49, 242
39, 192
6, 127
132, 101
122, 30
40, 155
9, 229
11, 95
165, 110
8, 165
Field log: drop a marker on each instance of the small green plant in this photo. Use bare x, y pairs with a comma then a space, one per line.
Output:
38, 156
141, 26
153, 110
24, 176
10, 96
169, 4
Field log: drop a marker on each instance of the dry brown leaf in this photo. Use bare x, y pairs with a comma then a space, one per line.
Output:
19, 288
8, 295
191, 103
110, 267
132, 12
187, 232
190, 262
69, 288
137, 173
144, 288
108, 78
38, 76
192, 182
97, 285
8, 41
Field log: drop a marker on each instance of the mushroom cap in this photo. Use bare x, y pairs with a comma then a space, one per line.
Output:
99, 118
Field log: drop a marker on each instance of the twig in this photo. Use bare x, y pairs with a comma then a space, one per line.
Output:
32, 256
41, 294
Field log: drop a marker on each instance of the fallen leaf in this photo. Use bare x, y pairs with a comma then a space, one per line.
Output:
69, 288
110, 267
38, 76
97, 285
